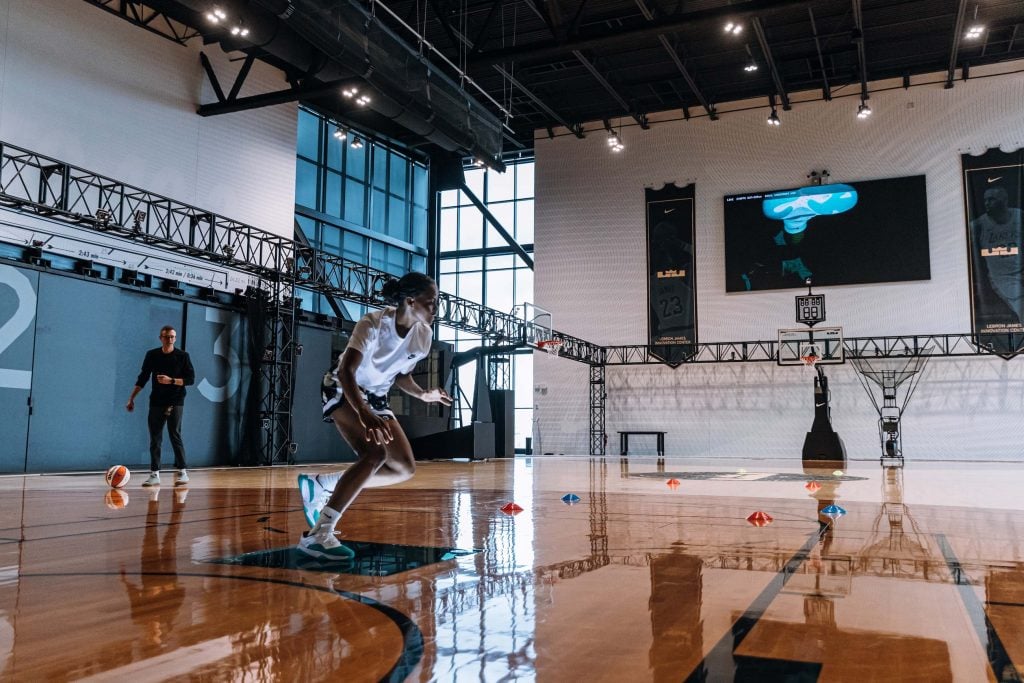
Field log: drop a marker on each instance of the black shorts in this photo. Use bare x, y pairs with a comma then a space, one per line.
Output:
331, 399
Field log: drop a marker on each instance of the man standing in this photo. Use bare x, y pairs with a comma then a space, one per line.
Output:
172, 371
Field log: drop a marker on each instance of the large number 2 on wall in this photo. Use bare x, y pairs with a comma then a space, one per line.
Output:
16, 326
222, 348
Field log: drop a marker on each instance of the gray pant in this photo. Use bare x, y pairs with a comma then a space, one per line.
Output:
171, 416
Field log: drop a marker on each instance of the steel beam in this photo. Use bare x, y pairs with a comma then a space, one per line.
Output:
780, 88
958, 30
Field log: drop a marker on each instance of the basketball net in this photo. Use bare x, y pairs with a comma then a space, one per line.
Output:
552, 346
810, 359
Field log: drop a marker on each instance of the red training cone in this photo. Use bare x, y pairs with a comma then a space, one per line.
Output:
672, 483
760, 518
511, 509
812, 486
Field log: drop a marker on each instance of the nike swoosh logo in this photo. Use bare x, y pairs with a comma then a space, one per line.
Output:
818, 405
668, 211
992, 180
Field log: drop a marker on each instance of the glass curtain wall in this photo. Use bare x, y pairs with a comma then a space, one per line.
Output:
476, 263
358, 198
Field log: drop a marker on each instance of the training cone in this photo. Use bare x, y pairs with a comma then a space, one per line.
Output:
511, 509
570, 499
837, 473
672, 483
833, 511
760, 518
812, 486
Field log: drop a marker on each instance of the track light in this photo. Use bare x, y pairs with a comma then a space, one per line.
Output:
863, 111
478, 162
733, 28
239, 30
340, 133
615, 142
356, 143
773, 118
216, 15
750, 67
974, 32
363, 100
350, 92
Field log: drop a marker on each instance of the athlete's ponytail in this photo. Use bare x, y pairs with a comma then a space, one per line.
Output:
409, 285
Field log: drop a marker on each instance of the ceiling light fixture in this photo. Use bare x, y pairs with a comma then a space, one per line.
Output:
340, 133
773, 118
734, 28
239, 30
356, 143
974, 32
615, 142
216, 15
863, 111
350, 91
363, 100
750, 67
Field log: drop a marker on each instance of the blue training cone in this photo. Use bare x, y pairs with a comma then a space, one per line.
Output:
570, 499
833, 511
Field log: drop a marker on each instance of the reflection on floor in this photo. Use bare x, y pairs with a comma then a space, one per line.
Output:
864, 573
372, 559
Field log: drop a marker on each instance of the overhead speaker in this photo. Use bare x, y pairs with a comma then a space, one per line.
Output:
447, 172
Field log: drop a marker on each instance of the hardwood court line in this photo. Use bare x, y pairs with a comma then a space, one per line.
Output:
727, 644
412, 636
131, 528
93, 518
983, 628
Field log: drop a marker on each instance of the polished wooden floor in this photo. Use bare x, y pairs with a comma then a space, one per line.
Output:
922, 578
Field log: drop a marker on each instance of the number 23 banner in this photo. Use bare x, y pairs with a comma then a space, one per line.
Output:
671, 290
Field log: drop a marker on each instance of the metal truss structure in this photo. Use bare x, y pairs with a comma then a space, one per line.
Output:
40, 185
144, 16
933, 345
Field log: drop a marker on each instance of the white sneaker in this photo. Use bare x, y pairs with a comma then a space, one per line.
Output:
181, 479
154, 479
314, 496
325, 546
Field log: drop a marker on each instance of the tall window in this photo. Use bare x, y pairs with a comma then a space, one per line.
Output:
476, 263
357, 198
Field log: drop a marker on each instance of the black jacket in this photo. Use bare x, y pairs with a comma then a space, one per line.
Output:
175, 364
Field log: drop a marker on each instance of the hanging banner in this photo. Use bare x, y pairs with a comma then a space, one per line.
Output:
993, 189
671, 291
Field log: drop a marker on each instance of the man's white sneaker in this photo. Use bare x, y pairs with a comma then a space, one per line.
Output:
181, 479
314, 497
325, 547
154, 479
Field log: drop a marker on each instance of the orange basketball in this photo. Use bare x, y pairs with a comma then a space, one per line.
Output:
118, 476
115, 499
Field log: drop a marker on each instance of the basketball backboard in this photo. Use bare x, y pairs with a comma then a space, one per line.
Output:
826, 343
538, 323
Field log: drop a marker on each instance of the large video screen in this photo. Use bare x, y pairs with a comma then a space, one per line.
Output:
837, 234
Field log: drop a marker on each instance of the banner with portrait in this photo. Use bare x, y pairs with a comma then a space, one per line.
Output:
671, 290
993, 190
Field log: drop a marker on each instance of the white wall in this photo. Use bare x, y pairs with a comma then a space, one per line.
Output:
590, 255
86, 87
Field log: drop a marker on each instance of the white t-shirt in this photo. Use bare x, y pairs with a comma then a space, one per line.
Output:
385, 354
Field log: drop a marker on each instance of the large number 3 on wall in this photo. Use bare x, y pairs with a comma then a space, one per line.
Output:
222, 348
24, 313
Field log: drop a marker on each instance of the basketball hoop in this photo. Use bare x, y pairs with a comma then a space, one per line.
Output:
809, 361
552, 346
